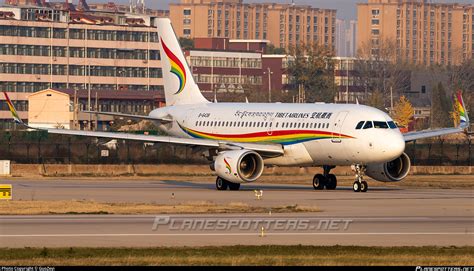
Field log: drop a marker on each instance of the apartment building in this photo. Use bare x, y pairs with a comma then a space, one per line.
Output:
221, 66
61, 46
42, 47
424, 32
285, 25
346, 36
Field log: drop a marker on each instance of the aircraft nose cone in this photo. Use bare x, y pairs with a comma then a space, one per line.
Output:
395, 145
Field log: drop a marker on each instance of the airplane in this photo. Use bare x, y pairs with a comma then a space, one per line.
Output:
240, 139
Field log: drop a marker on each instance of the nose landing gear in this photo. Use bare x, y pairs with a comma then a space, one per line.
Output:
359, 185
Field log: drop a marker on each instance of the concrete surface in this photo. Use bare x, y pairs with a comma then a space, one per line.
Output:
173, 169
384, 216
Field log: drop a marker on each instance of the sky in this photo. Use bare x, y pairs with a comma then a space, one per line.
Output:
346, 9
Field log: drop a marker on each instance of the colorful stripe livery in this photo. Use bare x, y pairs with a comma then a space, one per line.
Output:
12, 109
177, 67
227, 166
284, 137
462, 110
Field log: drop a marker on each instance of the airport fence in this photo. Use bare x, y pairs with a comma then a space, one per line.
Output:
40, 147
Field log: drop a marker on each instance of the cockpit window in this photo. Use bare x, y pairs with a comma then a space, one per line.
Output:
368, 125
392, 125
380, 124
359, 125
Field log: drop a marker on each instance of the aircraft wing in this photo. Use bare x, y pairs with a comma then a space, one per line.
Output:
129, 116
463, 126
431, 133
266, 150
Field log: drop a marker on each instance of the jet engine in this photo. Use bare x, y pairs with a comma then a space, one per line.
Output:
393, 171
239, 166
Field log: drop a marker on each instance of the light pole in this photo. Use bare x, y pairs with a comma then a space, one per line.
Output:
347, 82
269, 74
119, 74
89, 96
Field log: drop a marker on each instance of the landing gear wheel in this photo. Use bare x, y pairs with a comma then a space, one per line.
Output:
364, 186
234, 186
319, 182
221, 184
356, 186
331, 182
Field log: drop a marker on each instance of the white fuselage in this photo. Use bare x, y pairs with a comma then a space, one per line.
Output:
312, 134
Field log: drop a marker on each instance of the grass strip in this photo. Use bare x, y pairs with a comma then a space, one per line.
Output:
20, 207
241, 255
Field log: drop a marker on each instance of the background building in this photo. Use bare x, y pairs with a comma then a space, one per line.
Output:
284, 25
59, 108
348, 89
346, 38
221, 65
62, 46
422, 32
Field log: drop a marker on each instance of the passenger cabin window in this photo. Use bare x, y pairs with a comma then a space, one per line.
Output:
368, 125
359, 125
380, 125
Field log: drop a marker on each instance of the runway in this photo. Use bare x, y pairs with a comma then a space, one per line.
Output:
384, 216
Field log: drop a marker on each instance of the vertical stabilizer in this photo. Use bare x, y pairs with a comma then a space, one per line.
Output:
178, 81
463, 117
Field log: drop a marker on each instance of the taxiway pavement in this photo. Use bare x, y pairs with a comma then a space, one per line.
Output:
383, 216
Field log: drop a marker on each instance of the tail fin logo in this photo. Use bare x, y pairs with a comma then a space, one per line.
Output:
15, 115
462, 110
177, 67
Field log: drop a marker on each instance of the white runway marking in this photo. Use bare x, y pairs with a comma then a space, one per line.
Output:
232, 234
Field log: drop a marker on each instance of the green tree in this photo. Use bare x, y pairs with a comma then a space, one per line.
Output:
186, 44
462, 78
312, 67
272, 50
440, 107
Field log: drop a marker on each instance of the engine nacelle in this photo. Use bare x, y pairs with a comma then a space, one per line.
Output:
393, 171
240, 166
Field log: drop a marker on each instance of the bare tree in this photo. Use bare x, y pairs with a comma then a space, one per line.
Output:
313, 67
378, 69
462, 78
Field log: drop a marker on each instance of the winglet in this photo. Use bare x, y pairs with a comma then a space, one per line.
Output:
463, 117
15, 115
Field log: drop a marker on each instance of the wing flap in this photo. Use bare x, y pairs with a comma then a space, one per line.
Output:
267, 150
129, 116
144, 138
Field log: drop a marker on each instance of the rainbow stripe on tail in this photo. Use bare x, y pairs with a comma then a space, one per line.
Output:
177, 68
463, 117
15, 115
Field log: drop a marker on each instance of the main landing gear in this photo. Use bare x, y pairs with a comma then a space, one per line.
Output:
325, 180
359, 185
222, 184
